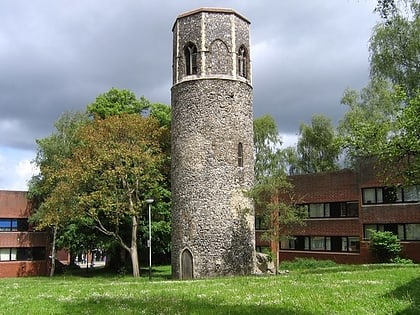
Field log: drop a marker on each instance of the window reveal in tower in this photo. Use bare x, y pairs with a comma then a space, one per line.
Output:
240, 155
220, 60
190, 53
242, 62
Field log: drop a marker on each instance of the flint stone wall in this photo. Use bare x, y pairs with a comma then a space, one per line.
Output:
211, 114
210, 214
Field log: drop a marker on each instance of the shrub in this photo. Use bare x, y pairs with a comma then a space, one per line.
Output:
403, 261
385, 245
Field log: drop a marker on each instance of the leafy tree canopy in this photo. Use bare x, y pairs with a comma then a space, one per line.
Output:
269, 158
395, 49
115, 102
109, 176
382, 119
57, 196
369, 119
317, 150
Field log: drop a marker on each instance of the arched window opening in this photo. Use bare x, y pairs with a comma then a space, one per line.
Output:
190, 52
240, 155
242, 62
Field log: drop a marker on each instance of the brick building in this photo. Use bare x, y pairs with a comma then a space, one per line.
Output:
343, 206
23, 252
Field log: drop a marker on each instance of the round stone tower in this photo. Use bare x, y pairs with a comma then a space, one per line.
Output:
212, 145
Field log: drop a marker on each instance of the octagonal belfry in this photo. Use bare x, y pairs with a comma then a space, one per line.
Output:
212, 145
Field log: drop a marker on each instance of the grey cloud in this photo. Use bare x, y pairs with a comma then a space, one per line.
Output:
58, 56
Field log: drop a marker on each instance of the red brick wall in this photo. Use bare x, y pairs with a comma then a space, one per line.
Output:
411, 250
22, 268
325, 187
394, 213
340, 258
329, 227
14, 204
22, 239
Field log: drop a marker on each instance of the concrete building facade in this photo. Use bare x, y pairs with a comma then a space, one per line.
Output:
212, 145
23, 251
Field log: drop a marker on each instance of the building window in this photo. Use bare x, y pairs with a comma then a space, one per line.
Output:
13, 225
350, 244
323, 243
320, 243
240, 155
411, 193
296, 242
243, 62
319, 210
260, 223
334, 209
262, 249
405, 232
7, 254
190, 53
392, 194
7, 225
412, 232
22, 253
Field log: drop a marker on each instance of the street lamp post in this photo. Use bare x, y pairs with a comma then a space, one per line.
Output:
149, 242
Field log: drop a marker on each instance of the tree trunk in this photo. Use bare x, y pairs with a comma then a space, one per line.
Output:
52, 270
133, 248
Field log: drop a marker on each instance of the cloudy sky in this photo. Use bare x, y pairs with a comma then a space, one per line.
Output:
57, 56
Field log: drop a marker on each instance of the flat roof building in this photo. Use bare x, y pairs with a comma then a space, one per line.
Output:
23, 251
343, 207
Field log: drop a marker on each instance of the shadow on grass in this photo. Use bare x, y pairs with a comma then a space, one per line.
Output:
158, 273
171, 305
409, 292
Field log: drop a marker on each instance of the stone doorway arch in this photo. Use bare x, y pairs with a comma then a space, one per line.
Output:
187, 265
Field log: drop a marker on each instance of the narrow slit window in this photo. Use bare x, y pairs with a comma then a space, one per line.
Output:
190, 52
242, 62
240, 155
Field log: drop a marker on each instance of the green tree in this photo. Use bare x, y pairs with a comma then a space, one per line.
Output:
382, 120
163, 113
50, 154
115, 102
80, 236
57, 213
109, 176
400, 155
161, 214
272, 192
368, 120
395, 49
386, 8
395, 56
317, 149
269, 158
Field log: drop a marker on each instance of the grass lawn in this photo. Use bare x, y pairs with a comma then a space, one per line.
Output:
374, 289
